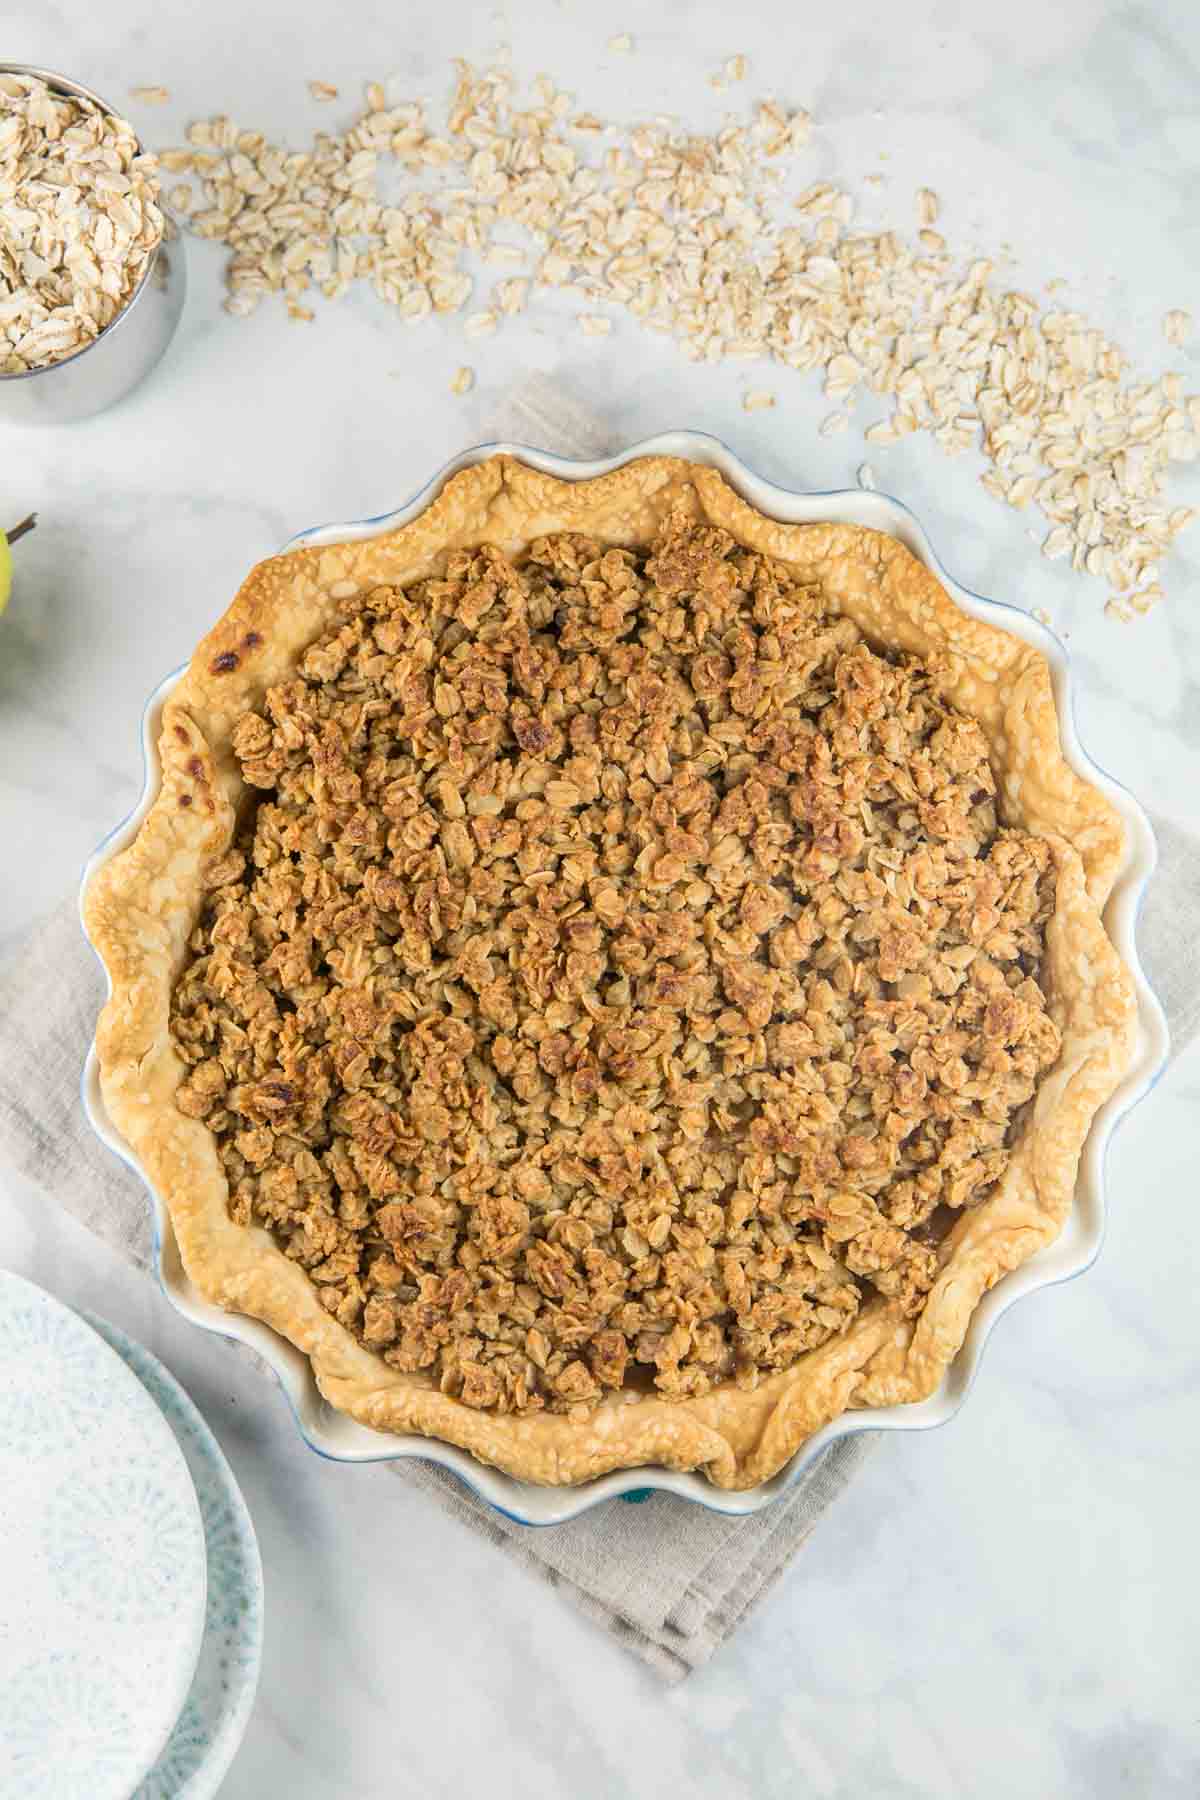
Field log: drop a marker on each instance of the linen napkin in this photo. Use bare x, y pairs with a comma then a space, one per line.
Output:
666, 1579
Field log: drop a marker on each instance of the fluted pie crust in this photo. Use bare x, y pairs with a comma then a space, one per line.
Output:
142, 906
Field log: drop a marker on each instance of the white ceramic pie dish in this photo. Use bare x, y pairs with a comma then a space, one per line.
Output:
336, 1435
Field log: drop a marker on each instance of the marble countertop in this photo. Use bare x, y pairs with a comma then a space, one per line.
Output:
1005, 1607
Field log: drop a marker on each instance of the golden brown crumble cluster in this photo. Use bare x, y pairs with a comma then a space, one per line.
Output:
621, 976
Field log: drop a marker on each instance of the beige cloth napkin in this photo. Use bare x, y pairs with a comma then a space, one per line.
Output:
665, 1578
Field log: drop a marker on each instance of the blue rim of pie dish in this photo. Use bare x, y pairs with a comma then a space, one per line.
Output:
644, 1482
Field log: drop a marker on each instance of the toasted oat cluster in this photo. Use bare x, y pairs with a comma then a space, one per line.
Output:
623, 977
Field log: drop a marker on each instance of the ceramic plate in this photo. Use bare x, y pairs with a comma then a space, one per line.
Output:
334, 1434
102, 1561
217, 1710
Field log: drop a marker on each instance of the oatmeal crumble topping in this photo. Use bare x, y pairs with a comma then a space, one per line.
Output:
623, 976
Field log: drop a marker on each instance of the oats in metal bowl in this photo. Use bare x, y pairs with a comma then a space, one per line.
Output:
79, 221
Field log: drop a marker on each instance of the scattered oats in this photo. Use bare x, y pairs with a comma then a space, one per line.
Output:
376, 98
1041, 615
621, 42
757, 400
296, 311
833, 423
689, 234
322, 90
150, 96
1177, 326
1116, 608
462, 381
735, 69
873, 180
866, 478
80, 221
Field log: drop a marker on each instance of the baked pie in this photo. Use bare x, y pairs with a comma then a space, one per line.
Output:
612, 977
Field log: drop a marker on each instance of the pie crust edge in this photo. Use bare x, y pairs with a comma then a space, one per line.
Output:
140, 908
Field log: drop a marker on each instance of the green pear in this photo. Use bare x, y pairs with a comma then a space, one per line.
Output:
8, 538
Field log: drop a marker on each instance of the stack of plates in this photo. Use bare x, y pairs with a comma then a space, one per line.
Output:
130, 1580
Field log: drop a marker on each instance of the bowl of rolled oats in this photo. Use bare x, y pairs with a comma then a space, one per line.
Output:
92, 277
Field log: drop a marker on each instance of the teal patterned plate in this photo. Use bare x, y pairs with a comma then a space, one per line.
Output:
214, 1719
102, 1561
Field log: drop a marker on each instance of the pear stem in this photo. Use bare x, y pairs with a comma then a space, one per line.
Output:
18, 531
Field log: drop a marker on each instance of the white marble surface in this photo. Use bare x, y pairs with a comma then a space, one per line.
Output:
1008, 1607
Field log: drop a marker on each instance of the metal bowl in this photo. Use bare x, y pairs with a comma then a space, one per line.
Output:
334, 1434
111, 366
